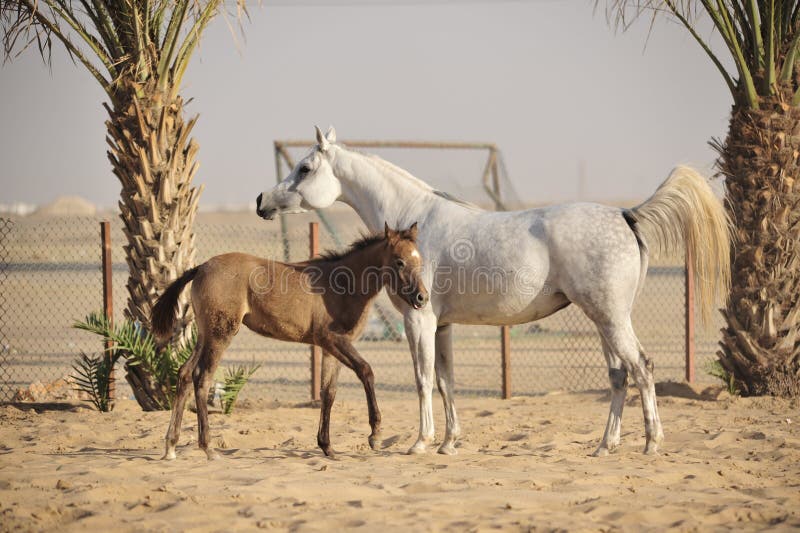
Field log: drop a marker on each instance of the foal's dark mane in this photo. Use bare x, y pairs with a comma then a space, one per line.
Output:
365, 241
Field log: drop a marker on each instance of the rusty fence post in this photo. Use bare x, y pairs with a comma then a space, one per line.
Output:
689, 295
505, 357
108, 300
316, 351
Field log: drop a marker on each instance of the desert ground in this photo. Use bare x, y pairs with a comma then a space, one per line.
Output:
523, 464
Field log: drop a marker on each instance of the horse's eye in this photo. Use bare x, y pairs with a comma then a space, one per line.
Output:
400, 263
305, 169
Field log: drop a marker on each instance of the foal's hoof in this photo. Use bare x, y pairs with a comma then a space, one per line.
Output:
373, 441
447, 448
329, 452
169, 456
213, 455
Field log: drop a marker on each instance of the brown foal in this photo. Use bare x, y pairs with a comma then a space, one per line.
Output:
324, 302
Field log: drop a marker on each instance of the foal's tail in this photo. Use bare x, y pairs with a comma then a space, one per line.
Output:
685, 210
162, 319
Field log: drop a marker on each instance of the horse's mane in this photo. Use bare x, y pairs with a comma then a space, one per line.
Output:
407, 176
365, 241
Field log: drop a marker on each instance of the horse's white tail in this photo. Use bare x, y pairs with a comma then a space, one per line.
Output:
685, 210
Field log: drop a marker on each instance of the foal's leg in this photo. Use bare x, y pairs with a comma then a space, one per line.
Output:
623, 342
420, 332
209, 360
330, 377
618, 377
343, 350
445, 381
184, 379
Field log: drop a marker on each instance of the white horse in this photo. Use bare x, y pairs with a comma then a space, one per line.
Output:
503, 268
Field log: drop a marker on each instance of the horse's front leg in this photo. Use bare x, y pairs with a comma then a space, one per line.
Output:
343, 350
445, 381
330, 378
421, 333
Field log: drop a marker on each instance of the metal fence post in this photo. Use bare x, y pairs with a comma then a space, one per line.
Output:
689, 295
108, 301
316, 351
505, 357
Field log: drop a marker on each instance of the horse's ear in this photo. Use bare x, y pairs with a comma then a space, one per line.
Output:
412, 232
331, 135
387, 231
321, 140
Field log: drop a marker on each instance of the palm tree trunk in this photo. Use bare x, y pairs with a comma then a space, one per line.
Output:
760, 344
154, 158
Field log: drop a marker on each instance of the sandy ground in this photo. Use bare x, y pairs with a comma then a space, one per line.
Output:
522, 464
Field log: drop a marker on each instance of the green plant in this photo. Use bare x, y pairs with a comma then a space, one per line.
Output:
236, 378
93, 377
137, 346
715, 369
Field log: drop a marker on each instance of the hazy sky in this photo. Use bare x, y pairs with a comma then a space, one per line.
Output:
548, 81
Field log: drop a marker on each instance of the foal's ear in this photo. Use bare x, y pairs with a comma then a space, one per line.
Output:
322, 141
389, 232
412, 232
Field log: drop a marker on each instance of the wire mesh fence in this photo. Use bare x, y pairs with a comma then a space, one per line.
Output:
50, 277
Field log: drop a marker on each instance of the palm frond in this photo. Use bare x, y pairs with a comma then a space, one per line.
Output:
760, 37
235, 380
139, 40
138, 347
92, 376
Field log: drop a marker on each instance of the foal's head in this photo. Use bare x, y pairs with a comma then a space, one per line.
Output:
405, 263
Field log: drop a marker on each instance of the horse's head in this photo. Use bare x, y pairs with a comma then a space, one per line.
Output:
405, 264
310, 185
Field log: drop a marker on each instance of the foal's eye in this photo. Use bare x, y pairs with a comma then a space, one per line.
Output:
305, 169
400, 263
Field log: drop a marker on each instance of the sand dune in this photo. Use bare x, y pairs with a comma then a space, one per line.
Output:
523, 464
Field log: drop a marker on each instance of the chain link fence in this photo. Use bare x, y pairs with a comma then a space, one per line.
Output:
50, 277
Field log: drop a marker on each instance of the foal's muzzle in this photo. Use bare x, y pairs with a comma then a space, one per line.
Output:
418, 300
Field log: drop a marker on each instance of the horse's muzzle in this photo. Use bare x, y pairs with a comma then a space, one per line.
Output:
266, 214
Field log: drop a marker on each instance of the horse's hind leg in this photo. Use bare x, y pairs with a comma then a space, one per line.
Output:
623, 342
618, 378
207, 365
330, 377
444, 380
184, 379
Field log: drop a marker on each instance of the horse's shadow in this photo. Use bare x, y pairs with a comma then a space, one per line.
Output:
125, 453
41, 407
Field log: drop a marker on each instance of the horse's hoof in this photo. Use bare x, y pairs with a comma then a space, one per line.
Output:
169, 456
652, 444
447, 449
213, 455
602, 451
417, 448
651, 448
